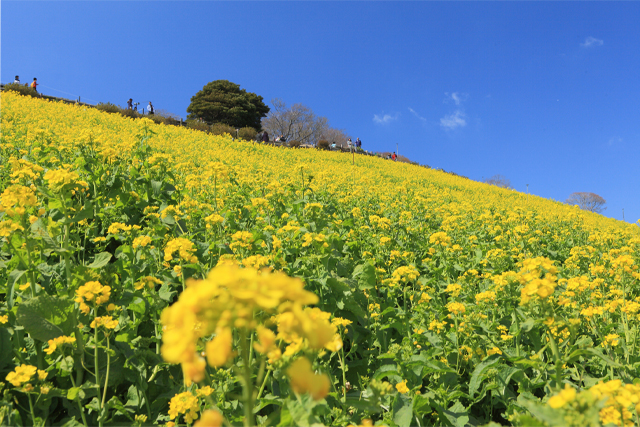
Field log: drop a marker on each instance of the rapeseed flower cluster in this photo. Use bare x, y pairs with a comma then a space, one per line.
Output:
243, 298
15, 200
92, 293
304, 380
184, 404
24, 373
63, 179
184, 247
58, 342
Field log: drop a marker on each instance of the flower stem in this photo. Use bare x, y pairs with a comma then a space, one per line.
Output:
33, 415
97, 374
77, 399
106, 378
247, 392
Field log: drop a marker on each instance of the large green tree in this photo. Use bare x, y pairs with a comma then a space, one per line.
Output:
222, 101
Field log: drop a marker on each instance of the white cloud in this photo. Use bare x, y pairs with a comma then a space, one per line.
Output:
384, 119
453, 121
456, 97
417, 115
592, 41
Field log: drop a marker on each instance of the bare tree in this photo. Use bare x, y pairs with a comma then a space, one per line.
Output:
165, 113
499, 181
588, 201
295, 123
338, 136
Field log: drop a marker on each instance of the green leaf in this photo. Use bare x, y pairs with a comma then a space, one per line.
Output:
39, 230
366, 275
457, 415
166, 293
74, 392
85, 213
402, 411
46, 317
13, 278
133, 397
100, 260
504, 376
390, 371
527, 325
156, 186
6, 355
478, 374
66, 364
609, 361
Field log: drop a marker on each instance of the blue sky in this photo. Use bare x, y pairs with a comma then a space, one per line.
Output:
544, 93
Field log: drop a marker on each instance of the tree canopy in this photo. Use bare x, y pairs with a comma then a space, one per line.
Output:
222, 101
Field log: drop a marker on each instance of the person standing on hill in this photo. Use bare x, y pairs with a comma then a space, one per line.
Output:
130, 104
393, 156
265, 137
17, 80
358, 143
34, 84
150, 109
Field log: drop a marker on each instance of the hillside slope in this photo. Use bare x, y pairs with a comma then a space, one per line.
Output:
443, 300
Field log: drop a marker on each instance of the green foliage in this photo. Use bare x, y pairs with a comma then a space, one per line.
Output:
247, 133
323, 144
222, 101
221, 129
21, 89
130, 113
108, 107
198, 125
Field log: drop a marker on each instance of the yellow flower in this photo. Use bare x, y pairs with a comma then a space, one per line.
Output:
184, 403
338, 321
204, 391
193, 370
456, 307
611, 340
304, 380
184, 247
21, 374
141, 241
4, 319
92, 291
567, 395
59, 178
59, 341
219, 348
266, 339
210, 418
494, 350
106, 321
402, 387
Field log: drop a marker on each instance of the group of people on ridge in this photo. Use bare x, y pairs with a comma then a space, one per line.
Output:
150, 109
34, 83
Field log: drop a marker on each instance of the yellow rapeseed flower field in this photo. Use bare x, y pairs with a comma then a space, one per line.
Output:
152, 274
